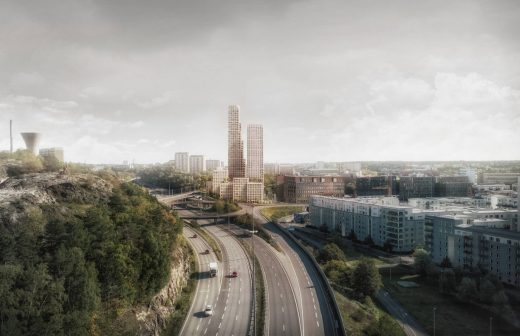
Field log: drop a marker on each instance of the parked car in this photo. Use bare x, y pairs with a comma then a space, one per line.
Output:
208, 311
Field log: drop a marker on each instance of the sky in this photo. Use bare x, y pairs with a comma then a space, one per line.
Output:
330, 80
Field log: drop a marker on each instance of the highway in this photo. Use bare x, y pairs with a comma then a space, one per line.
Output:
317, 317
232, 301
233, 310
208, 288
282, 315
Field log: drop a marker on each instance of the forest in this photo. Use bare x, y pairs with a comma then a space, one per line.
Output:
71, 268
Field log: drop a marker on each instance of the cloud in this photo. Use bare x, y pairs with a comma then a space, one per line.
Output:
157, 102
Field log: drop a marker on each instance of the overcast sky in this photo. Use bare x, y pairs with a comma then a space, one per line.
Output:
114, 80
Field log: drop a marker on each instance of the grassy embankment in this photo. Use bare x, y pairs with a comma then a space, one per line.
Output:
452, 317
275, 213
358, 315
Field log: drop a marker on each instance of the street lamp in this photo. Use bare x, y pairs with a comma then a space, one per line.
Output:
490, 326
434, 309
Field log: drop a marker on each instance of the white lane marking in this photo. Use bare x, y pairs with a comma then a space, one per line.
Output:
283, 310
219, 325
283, 326
205, 331
318, 324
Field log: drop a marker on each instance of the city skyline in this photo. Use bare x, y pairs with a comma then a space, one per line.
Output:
110, 83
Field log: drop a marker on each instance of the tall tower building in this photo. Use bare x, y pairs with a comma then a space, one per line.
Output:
236, 164
182, 162
255, 153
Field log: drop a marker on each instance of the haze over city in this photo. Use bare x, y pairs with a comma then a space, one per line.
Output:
329, 80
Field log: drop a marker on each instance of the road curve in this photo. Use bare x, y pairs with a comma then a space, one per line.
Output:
317, 315
208, 288
233, 310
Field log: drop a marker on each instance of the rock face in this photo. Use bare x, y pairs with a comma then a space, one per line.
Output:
21, 193
152, 318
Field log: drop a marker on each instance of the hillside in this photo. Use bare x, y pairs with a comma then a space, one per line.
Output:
86, 255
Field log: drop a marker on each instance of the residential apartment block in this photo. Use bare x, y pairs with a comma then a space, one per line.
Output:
382, 219
197, 164
182, 163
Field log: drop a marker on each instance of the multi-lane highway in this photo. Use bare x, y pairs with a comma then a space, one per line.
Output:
316, 315
235, 302
231, 297
208, 288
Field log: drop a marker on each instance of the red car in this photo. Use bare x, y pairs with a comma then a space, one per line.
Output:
206, 252
234, 274
194, 236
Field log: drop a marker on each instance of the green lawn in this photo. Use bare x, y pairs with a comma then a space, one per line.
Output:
452, 317
274, 213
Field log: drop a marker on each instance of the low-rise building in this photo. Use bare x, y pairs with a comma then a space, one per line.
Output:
55, 152
255, 192
299, 189
376, 186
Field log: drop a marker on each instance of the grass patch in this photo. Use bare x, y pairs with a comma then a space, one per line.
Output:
275, 213
452, 317
358, 316
260, 299
183, 302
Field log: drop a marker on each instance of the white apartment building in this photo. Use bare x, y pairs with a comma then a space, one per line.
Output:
197, 164
182, 162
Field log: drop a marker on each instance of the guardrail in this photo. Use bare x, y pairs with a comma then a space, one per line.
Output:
340, 326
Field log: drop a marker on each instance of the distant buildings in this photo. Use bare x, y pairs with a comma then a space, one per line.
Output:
219, 176
196, 164
182, 162
211, 165
415, 187
299, 189
499, 178
376, 186
55, 152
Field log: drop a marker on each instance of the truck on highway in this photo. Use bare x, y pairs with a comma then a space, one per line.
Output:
213, 268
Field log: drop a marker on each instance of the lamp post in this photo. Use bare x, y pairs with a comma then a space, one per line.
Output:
490, 326
434, 309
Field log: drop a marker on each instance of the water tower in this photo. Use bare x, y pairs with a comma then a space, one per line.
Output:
32, 141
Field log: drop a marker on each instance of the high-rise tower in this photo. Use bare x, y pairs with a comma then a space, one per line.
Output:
236, 164
255, 153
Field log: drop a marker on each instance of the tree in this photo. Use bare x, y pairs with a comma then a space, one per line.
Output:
447, 281
330, 252
422, 261
366, 279
388, 246
352, 235
446, 262
368, 241
486, 291
467, 290
339, 272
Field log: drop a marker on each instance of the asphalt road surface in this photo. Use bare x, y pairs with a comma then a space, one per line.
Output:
233, 310
208, 288
316, 315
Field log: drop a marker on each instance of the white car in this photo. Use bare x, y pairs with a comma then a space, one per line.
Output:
209, 310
